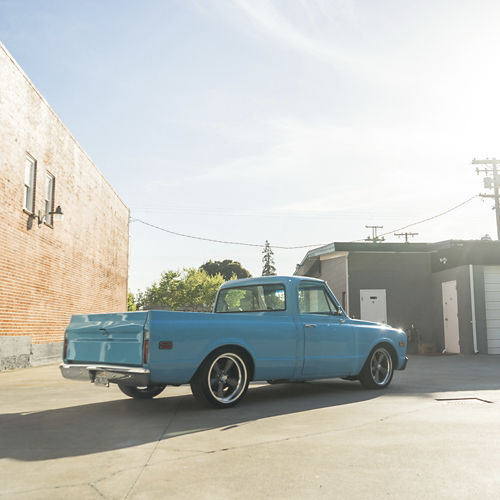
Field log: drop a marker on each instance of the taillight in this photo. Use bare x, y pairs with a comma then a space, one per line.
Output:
146, 347
65, 346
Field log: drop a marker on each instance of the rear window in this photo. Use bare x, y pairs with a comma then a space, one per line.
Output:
253, 298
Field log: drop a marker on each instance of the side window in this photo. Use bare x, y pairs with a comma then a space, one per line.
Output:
313, 299
29, 184
253, 298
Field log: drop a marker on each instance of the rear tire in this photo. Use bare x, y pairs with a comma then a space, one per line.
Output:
146, 392
378, 370
222, 379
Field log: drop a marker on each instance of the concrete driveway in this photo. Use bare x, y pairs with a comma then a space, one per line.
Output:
433, 434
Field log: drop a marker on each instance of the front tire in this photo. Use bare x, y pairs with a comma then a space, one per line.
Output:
378, 370
146, 392
222, 379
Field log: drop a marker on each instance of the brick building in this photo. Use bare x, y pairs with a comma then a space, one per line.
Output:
53, 269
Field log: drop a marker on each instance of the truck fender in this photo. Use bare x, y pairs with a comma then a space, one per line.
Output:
387, 341
231, 341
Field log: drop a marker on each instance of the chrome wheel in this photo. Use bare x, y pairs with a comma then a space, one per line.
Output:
222, 379
381, 367
378, 369
227, 378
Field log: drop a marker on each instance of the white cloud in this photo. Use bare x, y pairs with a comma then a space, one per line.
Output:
275, 24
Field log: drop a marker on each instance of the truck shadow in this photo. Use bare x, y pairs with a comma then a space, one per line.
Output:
123, 423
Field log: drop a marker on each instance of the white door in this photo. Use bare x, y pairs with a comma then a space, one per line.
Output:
492, 301
373, 305
450, 315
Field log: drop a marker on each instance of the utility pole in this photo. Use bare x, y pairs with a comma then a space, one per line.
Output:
374, 238
491, 183
406, 235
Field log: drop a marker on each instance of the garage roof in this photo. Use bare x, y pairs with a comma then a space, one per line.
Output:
455, 252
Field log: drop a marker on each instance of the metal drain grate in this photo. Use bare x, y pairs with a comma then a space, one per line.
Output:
457, 400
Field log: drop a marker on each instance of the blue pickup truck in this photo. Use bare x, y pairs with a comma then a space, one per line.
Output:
271, 328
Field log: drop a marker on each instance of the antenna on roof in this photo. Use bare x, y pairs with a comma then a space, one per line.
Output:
374, 238
406, 235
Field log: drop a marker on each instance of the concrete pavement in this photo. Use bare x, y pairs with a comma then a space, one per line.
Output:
418, 439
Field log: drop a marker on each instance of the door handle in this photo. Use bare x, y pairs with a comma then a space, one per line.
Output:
310, 325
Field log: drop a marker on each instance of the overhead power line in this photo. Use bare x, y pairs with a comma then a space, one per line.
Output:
297, 247
431, 218
259, 245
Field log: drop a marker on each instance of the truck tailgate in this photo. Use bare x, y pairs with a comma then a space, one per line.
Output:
115, 338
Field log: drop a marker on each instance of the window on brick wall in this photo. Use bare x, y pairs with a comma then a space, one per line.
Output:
29, 184
49, 198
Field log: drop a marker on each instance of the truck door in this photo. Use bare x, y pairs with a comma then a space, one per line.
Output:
328, 338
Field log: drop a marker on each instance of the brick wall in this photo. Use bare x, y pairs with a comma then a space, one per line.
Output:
80, 265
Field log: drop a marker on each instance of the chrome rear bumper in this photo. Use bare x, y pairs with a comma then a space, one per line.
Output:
134, 376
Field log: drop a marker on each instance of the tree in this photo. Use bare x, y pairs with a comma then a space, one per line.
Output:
190, 289
227, 268
131, 302
268, 268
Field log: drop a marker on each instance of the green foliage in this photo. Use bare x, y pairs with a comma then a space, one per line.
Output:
268, 268
131, 302
227, 268
275, 298
233, 298
192, 290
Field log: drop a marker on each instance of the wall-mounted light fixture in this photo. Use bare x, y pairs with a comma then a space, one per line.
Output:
57, 215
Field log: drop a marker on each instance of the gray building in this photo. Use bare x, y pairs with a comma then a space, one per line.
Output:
449, 291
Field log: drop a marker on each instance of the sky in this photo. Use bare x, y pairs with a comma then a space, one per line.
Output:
296, 121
